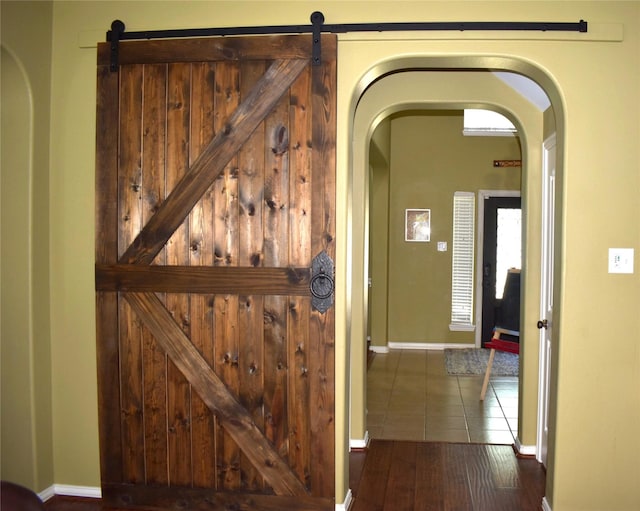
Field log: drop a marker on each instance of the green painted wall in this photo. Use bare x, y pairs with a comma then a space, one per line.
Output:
379, 156
430, 161
25, 345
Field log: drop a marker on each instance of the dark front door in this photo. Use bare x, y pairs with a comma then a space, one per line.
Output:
215, 192
501, 250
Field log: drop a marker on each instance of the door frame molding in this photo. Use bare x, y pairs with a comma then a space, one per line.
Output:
547, 258
482, 196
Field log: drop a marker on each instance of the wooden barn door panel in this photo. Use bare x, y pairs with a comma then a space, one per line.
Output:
215, 190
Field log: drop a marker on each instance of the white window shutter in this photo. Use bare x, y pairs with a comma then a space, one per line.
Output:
462, 261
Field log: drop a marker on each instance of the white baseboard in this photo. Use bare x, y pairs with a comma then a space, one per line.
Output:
70, 491
427, 346
525, 450
356, 443
348, 500
47, 493
545, 504
379, 349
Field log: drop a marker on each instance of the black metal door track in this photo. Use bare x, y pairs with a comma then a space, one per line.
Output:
118, 33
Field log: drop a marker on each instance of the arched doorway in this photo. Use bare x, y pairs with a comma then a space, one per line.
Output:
16, 339
420, 83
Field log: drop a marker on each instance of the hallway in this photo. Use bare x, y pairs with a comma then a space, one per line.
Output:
411, 397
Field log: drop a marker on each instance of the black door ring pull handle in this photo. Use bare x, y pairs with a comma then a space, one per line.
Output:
322, 285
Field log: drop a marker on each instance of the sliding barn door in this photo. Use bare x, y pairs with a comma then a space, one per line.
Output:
215, 237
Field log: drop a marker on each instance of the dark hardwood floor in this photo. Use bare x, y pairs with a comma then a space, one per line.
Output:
417, 476
396, 475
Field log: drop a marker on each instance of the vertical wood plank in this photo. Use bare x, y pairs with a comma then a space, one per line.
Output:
323, 142
153, 193
226, 364
107, 253
227, 99
178, 426
251, 375
226, 245
251, 308
201, 253
202, 131
300, 197
179, 413
130, 214
299, 407
301, 184
276, 186
322, 327
251, 176
130, 164
131, 396
276, 254
275, 366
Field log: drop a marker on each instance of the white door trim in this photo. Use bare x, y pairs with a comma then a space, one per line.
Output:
546, 292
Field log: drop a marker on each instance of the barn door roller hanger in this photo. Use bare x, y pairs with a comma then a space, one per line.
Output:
118, 33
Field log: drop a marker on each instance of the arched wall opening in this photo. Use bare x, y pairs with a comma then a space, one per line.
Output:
16, 339
444, 83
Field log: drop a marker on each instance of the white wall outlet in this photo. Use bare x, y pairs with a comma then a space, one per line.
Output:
620, 260
442, 246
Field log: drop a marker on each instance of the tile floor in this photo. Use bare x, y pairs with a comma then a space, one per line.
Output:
410, 396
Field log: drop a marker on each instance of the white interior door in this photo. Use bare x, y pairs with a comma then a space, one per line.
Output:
546, 303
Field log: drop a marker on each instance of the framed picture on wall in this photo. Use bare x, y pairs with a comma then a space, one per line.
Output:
417, 225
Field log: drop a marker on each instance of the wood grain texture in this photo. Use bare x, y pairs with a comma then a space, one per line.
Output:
182, 411
106, 247
212, 161
402, 468
369, 480
208, 49
226, 97
322, 326
199, 246
159, 499
130, 213
399, 475
216, 200
251, 366
212, 390
203, 279
154, 363
299, 409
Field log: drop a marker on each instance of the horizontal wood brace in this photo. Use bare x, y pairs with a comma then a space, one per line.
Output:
203, 279
227, 49
169, 497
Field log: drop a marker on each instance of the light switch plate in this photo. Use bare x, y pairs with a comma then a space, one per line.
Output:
621, 260
442, 246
